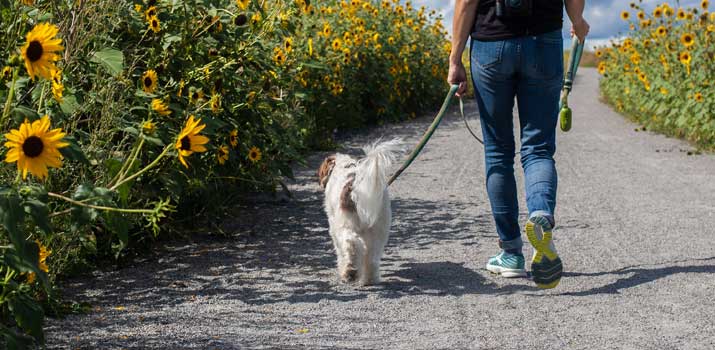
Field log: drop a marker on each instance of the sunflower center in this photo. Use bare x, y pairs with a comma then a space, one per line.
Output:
154, 23
34, 51
185, 143
147, 81
33, 146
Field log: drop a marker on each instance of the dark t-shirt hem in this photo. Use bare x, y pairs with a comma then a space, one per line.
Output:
507, 36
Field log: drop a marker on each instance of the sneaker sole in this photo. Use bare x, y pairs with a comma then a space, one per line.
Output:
504, 272
546, 266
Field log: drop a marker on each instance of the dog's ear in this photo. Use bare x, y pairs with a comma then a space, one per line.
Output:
325, 169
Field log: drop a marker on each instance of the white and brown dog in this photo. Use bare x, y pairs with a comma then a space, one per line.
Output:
358, 206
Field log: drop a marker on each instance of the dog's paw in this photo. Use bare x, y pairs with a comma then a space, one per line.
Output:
349, 275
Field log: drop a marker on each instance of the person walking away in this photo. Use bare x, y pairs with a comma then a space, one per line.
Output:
517, 51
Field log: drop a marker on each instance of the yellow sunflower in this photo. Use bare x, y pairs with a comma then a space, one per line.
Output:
641, 15
150, 13
664, 91
256, 18
148, 127
40, 50
327, 30
662, 31
625, 15
149, 81
222, 154
195, 95
7, 72
233, 138
242, 4
658, 12
182, 83
160, 107
189, 140
254, 155
154, 24
602, 68
337, 44
278, 56
215, 103
705, 4
599, 53
57, 87
687, 39
698, 97
685, 58
34, 147
288, 45
41, 262
681, 14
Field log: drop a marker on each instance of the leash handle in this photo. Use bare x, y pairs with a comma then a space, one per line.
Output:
427, 135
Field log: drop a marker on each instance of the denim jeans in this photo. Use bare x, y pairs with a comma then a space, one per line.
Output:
530, 68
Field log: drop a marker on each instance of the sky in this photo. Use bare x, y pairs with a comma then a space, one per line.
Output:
602, 15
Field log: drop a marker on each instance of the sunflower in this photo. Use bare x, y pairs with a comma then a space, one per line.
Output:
337, 44
149, 81
215, 103
658, 12
662, 31
7, 72
182, 83
242, 4
154, 24
327, 30
34, 147
189, 140
39, 52
625, 15
681, 14
195, 95
685, 58
148, 127
57, 87
642, 77
138, 8
254, 155
664, 91
233, 138
599, 53
256, 18
668, 11
160, 107
602, 68
41, 262
150, 13
278, 56
641, 15
310, 47
288, 45
222, 154
698, 97
705, 4
687, 39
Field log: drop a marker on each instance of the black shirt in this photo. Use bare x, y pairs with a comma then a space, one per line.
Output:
547, 16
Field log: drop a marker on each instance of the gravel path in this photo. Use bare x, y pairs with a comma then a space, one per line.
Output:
635, 231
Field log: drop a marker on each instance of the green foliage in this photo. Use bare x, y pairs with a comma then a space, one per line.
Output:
662, 75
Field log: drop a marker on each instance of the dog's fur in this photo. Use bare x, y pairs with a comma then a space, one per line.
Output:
358, 206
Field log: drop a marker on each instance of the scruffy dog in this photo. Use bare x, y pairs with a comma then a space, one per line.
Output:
358, 206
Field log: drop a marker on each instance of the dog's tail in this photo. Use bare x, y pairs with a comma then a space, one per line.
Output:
369, 188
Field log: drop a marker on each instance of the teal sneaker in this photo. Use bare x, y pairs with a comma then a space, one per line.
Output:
546, 266
507, 265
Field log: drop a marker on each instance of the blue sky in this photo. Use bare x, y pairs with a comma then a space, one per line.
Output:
603, 15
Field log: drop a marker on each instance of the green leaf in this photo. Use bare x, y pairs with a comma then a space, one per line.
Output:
27, 263
69, 104
11, 214
15, 341
110, 59
28, 315
73, 151
20, 113
119, 224
39, 213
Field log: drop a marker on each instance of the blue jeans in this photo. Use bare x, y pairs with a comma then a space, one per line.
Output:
530, 68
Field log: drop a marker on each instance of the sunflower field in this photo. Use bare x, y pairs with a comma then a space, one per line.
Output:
663, 73
124, 121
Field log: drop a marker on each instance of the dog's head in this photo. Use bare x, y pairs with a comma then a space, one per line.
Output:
325, 169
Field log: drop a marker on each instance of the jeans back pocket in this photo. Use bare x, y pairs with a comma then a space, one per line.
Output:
487, 53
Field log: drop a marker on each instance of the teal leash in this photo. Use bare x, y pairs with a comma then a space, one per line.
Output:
564, 115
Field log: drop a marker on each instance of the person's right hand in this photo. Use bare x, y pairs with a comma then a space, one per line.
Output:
458, 75
580, 28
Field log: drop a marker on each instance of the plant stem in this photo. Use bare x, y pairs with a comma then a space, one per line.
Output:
98, 207
128, 163
10, 97
42, 98
146, 168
